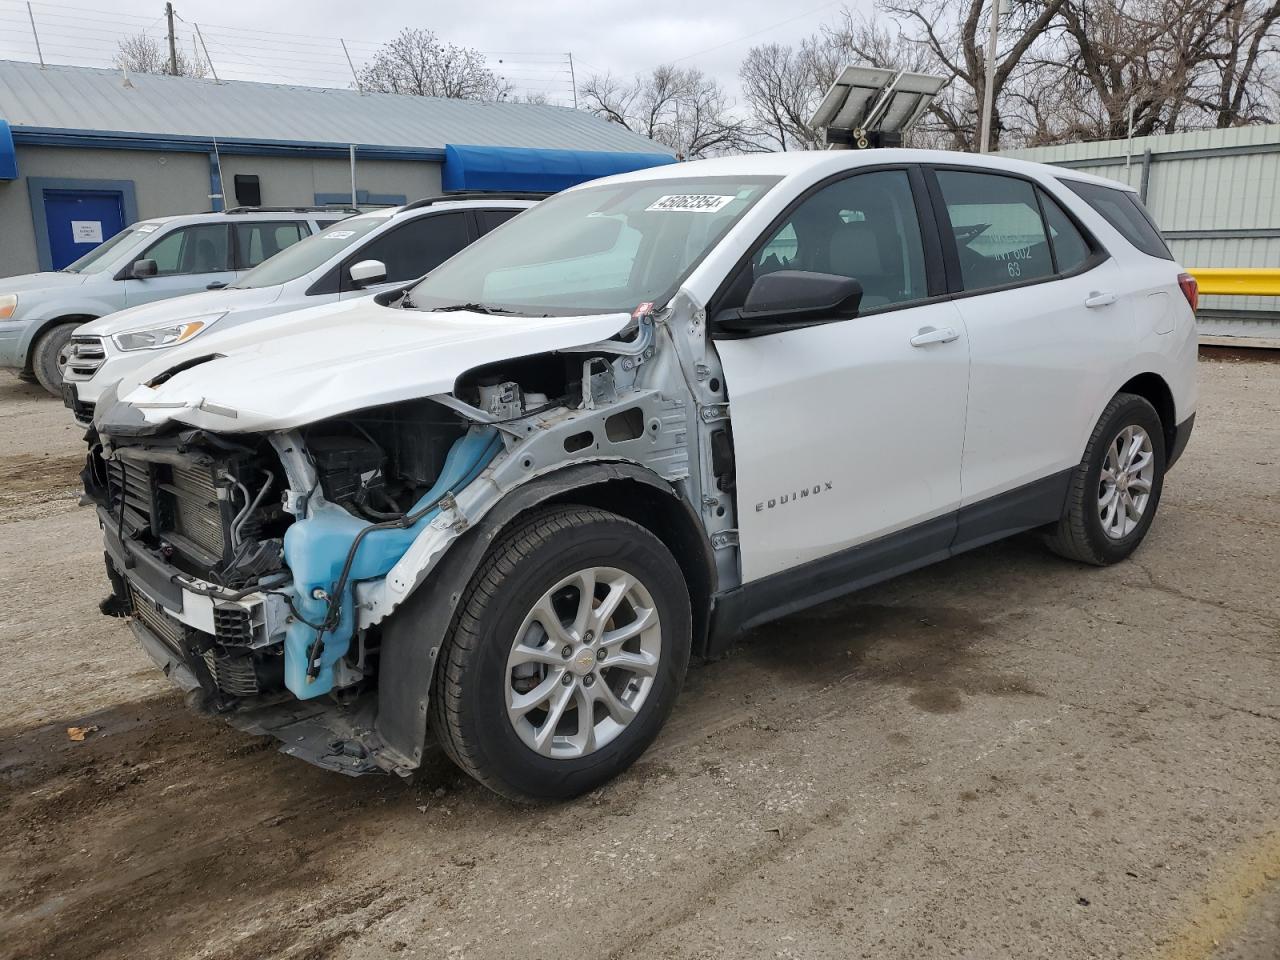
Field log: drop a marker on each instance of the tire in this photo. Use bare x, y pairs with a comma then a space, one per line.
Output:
1083, 533
476, 687
46, 358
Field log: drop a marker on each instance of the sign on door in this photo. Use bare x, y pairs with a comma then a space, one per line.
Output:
86, 231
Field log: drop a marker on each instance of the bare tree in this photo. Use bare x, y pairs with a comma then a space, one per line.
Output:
1158, 66
782, 87
418, 62
682, 108
143, 54
1080, 69
1245, 57
953, 36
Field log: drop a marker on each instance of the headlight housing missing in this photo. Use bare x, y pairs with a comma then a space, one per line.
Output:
8, 305
165, 335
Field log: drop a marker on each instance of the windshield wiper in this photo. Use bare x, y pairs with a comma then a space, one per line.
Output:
472, 307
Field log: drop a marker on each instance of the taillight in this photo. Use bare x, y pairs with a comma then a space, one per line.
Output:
1190, 289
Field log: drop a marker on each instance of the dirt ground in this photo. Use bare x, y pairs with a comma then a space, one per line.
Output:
1004, 756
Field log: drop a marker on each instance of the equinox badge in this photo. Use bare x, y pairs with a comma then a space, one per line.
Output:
813, 491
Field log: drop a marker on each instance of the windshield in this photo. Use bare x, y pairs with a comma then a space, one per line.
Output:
96, 260
305, 255
604, 249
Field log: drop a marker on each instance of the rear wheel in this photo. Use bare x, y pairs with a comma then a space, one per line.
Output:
566, 655
1116, 489
49, 359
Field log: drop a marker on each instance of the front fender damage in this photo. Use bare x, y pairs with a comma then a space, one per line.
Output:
414, 633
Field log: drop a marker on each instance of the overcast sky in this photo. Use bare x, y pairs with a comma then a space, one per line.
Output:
624, 36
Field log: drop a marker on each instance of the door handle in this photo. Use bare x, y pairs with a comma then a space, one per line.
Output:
928, 335
1097, 299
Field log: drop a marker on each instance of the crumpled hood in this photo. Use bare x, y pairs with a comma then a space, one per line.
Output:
40, 281
180, 308
311, 364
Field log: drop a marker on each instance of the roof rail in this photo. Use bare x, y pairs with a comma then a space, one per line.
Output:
474, 195
332, 208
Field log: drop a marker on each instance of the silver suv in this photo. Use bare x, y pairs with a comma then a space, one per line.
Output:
151, 260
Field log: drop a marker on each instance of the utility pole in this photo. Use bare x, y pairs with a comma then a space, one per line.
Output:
173, 45
573, 80
989, 85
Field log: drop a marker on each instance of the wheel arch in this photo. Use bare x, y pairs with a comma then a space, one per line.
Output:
415, 631
1155, 390
38, 330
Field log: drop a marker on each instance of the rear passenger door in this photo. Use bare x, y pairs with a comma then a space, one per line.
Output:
487, 220
188, 259
1041, 303
258, 240
410, 250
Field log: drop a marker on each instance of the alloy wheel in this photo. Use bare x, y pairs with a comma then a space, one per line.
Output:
583, 662
1124, 486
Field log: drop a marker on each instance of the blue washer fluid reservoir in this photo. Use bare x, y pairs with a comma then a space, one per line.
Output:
316, 548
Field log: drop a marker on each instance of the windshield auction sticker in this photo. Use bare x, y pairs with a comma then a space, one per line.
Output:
339, 234
691, 202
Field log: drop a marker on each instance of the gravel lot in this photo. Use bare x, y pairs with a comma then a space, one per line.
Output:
1005, 756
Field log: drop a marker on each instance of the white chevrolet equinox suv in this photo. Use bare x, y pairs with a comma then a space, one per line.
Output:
504, 507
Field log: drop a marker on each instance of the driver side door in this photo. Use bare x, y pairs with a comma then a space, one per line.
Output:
187, 259
848, 434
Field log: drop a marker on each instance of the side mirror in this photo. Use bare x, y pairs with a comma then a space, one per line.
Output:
796, 296
143, 269
367, 272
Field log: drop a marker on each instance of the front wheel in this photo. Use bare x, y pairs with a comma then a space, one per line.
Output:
566, 655
1116, 489
49, 358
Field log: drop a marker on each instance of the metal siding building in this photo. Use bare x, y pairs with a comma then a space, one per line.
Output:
1215, 195
164, 145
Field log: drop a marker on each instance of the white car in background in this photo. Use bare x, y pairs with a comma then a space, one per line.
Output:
358, 257
149, 261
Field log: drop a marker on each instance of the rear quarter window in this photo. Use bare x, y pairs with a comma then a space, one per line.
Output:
1124, 211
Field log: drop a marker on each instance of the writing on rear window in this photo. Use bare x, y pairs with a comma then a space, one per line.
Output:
690, 202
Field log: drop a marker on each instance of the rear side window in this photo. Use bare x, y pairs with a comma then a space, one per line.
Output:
493, 218
415, 248
263, 239
1070, 248
1000, 237
1124, 211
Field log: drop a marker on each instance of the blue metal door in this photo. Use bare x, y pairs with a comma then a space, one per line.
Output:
79, 220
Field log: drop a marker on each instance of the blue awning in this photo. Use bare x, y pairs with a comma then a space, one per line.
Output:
542, 171
8, 157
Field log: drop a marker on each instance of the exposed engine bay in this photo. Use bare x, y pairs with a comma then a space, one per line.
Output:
260, 569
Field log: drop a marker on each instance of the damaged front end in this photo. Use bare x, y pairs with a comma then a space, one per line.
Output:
262, 570
236, 556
